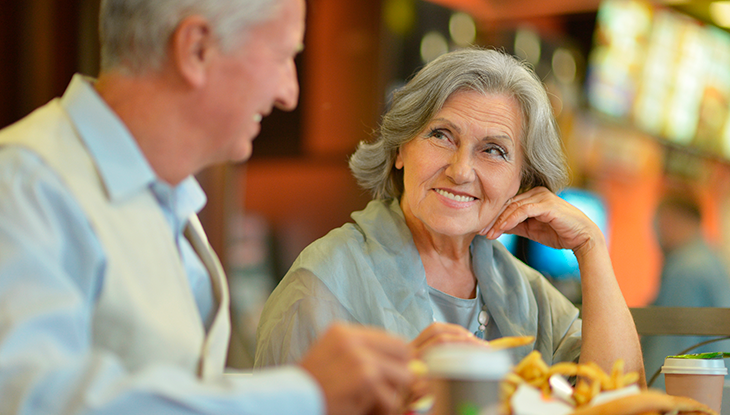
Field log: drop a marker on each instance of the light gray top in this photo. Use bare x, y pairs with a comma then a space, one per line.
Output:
369, 272
455, 310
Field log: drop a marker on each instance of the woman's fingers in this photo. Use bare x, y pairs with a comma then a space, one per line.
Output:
517, 211
542, 216
489, 227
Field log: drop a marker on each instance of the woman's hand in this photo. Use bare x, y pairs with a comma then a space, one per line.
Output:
540, 215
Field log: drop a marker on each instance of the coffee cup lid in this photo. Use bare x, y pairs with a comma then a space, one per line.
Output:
463, 361
679, 366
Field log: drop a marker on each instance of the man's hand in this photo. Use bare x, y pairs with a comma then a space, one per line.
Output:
443, 333
361, 370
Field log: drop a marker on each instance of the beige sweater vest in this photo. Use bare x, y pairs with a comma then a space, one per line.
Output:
146, 313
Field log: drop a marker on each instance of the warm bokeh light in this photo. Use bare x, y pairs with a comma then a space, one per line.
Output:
527, 45
433, 45
462, 29
564, 66
399, 16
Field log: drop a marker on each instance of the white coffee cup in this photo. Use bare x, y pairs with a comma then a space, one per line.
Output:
465, 378
699, 379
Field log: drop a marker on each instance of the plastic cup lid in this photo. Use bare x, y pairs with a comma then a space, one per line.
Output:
694, 366
462, 361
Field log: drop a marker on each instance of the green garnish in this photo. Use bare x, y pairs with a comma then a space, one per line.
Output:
711, 355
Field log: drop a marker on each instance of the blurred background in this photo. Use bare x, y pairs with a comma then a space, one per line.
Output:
641, 91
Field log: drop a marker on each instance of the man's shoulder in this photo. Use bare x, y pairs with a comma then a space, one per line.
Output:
22, 146
25, 174
42, 122
18, 162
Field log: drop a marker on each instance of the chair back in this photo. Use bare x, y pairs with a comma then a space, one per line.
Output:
682, 321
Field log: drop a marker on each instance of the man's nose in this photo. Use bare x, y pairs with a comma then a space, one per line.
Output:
288, 93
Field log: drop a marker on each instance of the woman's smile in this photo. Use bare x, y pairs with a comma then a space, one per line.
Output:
455, 196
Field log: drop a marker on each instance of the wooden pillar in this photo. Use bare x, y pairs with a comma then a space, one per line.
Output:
38, 53
341, 104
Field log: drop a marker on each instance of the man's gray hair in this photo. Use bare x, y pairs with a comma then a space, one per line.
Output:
134, 34
481, 70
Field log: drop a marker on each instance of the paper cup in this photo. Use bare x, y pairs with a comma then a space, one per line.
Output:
465, 378
699, 379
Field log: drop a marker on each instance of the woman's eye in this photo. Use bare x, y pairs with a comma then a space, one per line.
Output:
496, 150
437, 134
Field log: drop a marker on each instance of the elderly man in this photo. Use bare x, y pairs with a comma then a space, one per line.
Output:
111, 300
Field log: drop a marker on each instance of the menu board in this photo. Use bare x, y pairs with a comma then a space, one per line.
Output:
664, 72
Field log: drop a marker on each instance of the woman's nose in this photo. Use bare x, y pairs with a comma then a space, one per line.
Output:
460, 169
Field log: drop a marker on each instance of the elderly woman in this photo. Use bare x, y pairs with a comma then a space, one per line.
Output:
468, 151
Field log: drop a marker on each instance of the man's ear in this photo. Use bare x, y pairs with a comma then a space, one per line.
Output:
192, 45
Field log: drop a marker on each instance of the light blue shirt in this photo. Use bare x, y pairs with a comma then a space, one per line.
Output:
50, 258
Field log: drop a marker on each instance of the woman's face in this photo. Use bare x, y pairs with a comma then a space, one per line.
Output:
460, 170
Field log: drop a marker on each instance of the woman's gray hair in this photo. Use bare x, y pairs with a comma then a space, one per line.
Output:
134, 34
481, 70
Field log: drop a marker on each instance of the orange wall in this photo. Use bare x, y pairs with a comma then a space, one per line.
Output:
341, 103
634, 251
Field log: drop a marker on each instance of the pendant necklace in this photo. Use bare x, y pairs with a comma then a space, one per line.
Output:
482, 318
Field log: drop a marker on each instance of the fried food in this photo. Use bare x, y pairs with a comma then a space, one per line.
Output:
417, 367
510, 342
591, 379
